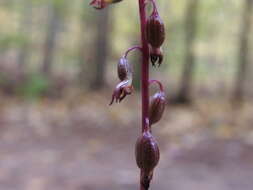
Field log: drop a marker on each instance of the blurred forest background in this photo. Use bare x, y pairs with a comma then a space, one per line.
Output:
57, 72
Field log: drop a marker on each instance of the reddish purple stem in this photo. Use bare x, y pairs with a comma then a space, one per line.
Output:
144, 69
144, 66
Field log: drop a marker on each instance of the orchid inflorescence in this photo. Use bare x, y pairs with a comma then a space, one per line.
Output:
153, 35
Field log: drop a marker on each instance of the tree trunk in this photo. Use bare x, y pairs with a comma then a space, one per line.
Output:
53, 25
85, 74
191, 16
101, 49
243, 58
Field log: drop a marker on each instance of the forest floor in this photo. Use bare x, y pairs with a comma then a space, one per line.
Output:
82, 144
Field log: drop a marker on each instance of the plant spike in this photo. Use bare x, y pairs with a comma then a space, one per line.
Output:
152, 37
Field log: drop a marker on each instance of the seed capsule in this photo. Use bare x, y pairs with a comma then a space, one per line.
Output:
155, 30
124, 69
156, 108
147, 153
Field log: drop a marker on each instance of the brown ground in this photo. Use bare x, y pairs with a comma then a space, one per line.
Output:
84, 145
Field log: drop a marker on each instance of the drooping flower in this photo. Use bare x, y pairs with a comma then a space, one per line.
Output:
147, 157
157, 107
147, 152
124, 69
156, 54
155, 30
123, 89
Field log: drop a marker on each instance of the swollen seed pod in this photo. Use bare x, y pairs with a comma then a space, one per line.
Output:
124, 69
146, 152
155, 30
156, 108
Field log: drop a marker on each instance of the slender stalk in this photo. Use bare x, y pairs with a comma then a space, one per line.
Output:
144, 66
131, 49
157, 82
144, 70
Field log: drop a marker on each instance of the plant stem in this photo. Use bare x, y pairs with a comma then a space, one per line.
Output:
144, 66
144, 71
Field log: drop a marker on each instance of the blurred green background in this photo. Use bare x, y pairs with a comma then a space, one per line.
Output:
58, 44
58, 68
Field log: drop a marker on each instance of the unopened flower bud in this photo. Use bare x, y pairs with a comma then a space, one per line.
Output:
147, 152
124, 69
156, 107
156, 54
155, 30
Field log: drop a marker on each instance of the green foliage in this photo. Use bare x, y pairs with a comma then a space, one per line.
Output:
12, 40
216, 44
35, 86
